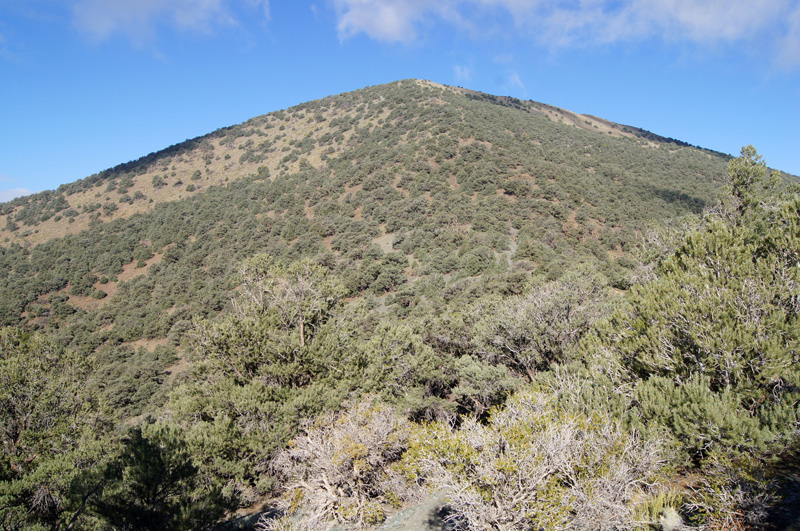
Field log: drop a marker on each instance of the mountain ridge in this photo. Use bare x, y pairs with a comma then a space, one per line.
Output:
389, 185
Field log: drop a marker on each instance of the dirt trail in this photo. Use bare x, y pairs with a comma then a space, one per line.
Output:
426, 516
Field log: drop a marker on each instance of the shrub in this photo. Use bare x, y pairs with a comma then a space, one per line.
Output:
531, 331
537, 466
339, 469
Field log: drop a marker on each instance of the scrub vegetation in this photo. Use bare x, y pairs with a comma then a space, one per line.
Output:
336, 310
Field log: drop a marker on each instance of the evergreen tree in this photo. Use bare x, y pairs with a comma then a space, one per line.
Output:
154, 485
718, 331
50, 434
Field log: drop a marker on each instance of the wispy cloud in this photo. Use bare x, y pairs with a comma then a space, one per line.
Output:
138, 20
5, 53
264, 6
789, 47
515, 81
774, 23
8, 195
383, 20
462, 73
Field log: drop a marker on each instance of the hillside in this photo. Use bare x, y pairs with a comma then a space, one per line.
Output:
407, 247
317, 133
398, 187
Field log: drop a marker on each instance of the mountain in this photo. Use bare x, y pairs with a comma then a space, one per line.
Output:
432, 246
410, 114
394, 187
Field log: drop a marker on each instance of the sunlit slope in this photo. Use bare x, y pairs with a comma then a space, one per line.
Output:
412, 114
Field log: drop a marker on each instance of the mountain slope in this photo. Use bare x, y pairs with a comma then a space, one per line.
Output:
331, 308
412, 193
315, 132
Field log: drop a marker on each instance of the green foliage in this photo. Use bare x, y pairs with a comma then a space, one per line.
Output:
131, 382
399, 366
431, 208
747, 183
260, 370
702, 418
427, 170
50, 432
154, 485
531, 331
301, 296
480, 385
719, 326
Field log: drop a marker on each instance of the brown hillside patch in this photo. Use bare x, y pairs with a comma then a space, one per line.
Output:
109, 287
615, 253
396, 185
571, 217
176, 369
453, 182
215, 161
85, 303
149, 344
352, 190
384, 241
38, 321
130, 271
501, 192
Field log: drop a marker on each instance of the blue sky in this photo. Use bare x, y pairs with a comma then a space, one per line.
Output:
88, 84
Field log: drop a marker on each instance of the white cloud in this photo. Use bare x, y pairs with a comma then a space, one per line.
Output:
138, 19
775, 23
5, 53
789, 45
8, 195
265, 8
515, 81
462, 73
383, 20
